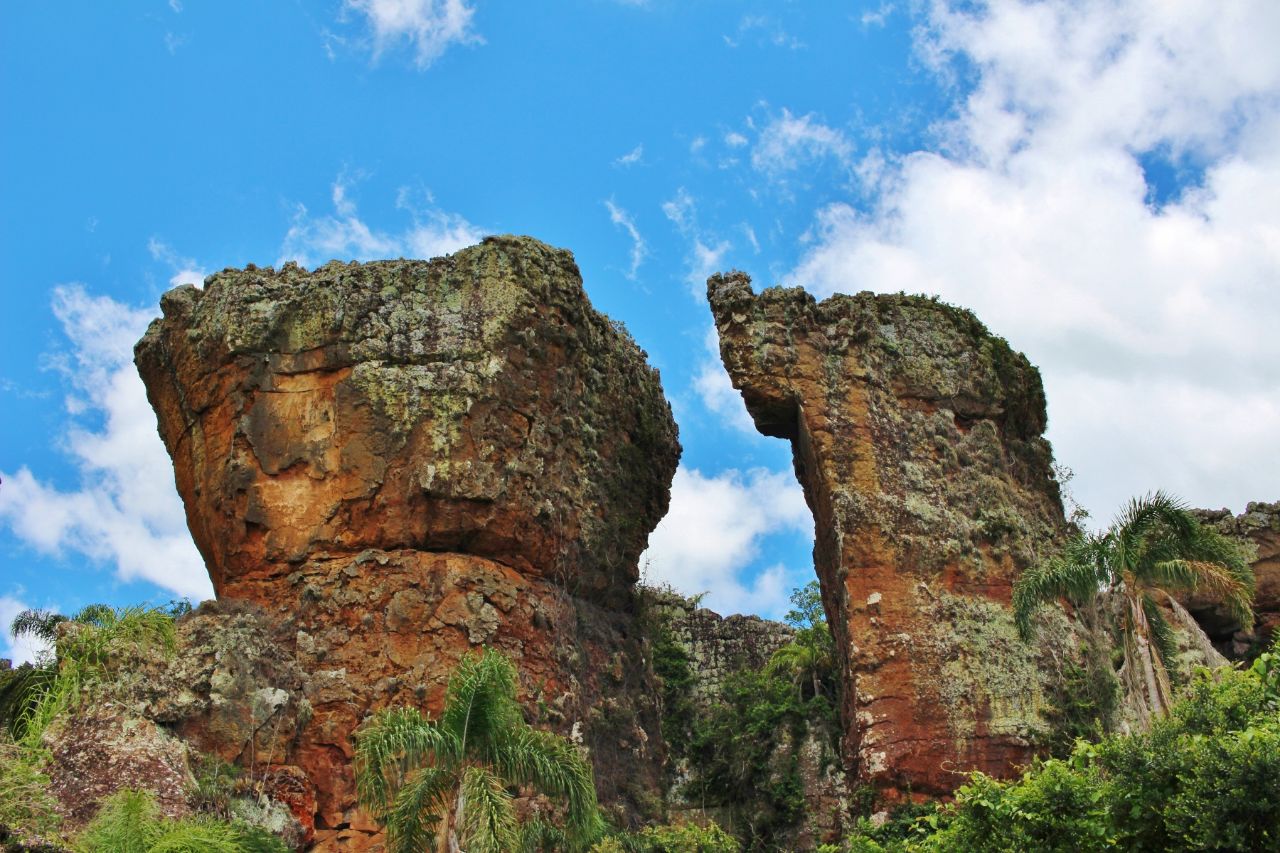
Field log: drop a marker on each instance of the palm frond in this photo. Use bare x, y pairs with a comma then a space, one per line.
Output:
552, 765
540, 836
1215, 579
1078, 573
392, 743
488, 820
1162, 636
20, 693
1151, 521
481, 698
419, 806
39, 624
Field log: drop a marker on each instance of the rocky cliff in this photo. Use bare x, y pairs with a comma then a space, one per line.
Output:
917, 437
1258, 529
400, 461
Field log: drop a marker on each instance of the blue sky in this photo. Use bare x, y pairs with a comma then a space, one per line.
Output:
1098, 180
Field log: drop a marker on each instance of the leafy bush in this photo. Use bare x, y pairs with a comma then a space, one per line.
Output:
130, 822
672, 838
1206, 777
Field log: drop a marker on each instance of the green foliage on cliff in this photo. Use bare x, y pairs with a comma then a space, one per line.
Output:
86, 648
1154, 546
1205, 777
131, 822
739, 744
423, 777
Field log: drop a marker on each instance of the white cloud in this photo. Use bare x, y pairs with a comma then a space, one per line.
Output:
789, 142
876, 17
185, 270
430, 26
705, 259
344, 235
715, 388
19, 650
706, 254
1154, 324
734, 139
632, 157
716, 528
680, 210
621, 218
763, 30
126, 510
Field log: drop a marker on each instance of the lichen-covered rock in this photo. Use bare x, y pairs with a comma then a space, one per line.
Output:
401, 461
1258, 530
474, 403
98, 751
917, 436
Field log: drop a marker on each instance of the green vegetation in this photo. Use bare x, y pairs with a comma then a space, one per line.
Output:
672, 838
1154, 546
33, 696
131, 822
1204, 777
741, 745
449, 780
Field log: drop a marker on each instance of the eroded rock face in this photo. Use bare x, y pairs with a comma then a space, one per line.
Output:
1258, 528
917, 436
401, 461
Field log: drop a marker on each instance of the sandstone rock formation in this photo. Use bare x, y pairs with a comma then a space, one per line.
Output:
1258, 529
402, 460
917, 436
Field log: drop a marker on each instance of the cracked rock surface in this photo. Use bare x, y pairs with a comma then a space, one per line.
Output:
918, 439
400, 461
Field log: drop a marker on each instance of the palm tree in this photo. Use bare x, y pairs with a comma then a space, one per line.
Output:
1154, 546
451, 778
74, 657
810, 656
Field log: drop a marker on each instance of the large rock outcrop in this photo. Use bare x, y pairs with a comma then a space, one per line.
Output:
400, 461
917, 436
1258, 529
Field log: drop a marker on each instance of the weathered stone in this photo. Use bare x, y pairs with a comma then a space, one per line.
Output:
99, 751
1258, 530
400, 461
917, 436
474, 404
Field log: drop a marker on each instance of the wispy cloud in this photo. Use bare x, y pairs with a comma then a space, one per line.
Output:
717, 527
185, 270
344, 235
788, 142
876, 17
763, 30
623, 220
126, 511
706, 254
631, 158
430, 27
716, 391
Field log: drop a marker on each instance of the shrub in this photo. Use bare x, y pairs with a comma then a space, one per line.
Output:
130, 822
